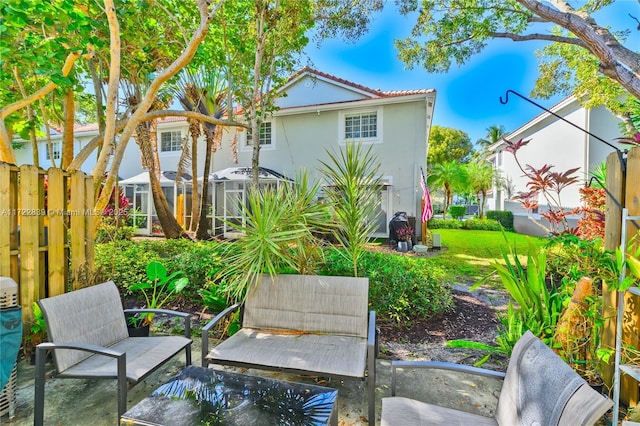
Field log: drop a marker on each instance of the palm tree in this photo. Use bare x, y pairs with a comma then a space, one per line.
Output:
494, 134
452, 176
202, 91
481, 177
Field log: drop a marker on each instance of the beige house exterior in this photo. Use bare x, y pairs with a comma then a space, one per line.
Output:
316, 113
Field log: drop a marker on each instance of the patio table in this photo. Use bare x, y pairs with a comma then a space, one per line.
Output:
199, 395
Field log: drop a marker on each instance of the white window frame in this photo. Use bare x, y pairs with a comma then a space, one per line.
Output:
247, 146
56, 148
342, 127
171, 151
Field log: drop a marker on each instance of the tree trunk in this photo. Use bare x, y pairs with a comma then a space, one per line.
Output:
170, 226
195, 194
201, 230
69, 120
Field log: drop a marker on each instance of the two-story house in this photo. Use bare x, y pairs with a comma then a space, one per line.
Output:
316, 113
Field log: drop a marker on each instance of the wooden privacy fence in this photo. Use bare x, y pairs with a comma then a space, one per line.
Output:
46, 223
623, 186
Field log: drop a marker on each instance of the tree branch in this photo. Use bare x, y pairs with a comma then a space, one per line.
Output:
538, 36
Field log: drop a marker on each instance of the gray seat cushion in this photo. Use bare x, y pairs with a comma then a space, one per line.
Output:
331, 354
144, 354
398, 411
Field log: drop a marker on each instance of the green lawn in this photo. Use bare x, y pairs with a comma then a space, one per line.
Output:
468, 255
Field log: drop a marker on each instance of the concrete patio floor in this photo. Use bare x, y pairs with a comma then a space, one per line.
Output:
76, 402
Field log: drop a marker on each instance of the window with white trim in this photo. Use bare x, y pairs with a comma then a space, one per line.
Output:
170, 141
266, 135
56, 147
360, 125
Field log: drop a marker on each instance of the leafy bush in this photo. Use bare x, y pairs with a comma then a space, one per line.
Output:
504, 217
110, 232
400, 288
125, 262
444, 224
481, 224
457, 211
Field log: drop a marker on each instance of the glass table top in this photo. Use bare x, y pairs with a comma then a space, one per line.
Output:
202, 396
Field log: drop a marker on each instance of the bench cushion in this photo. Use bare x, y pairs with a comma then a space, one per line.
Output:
316, 304
144, 355
318, 353
409, 412
91, 315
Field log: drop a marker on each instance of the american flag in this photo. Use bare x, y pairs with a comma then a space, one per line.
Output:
427, 207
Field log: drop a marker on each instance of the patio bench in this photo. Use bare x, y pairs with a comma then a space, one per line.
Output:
88, 335
303, 324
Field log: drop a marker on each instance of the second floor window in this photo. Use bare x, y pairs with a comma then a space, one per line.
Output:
361, 125
170, 141
265, 135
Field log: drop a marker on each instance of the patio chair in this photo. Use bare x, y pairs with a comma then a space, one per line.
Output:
88, 336
539, 388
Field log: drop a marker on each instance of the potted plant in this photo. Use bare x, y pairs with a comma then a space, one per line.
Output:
157, 289
405, 234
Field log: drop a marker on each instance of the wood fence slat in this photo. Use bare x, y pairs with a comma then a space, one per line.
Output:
78, 226
631, 322
29, 240
57, 203
6, 213
612, 230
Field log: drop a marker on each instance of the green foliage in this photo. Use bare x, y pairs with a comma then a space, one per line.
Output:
354, 194
400, 287
447, 145
159, 286
504, 217
481, 224
451, 176
538, 303
481, 177
108, 231
124, 262
444, 224
457, 212
279, 235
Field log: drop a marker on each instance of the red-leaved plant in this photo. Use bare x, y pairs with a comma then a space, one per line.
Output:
547, 183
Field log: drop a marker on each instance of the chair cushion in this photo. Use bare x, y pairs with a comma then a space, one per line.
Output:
316, 353
144, 355
317, 304
539, 386
91, 315
398, 411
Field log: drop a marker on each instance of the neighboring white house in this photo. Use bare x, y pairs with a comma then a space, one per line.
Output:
557, 143
317, 112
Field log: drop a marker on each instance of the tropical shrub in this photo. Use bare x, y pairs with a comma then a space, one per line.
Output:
457, 212
125, 262
354, 194
444, 224
505, 217
481, 225
400, 287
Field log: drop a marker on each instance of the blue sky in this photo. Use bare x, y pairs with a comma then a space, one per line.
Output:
468, 95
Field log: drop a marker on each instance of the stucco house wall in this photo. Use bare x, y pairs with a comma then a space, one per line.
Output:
559, 144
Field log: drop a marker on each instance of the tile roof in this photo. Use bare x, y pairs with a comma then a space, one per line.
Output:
375, 92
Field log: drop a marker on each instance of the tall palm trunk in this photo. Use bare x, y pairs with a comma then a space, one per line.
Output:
170, 226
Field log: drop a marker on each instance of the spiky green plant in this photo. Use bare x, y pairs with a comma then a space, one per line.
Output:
279, 235
353, 191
